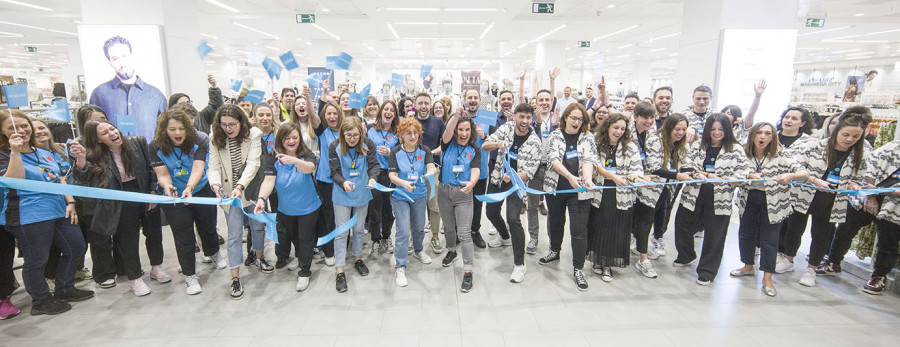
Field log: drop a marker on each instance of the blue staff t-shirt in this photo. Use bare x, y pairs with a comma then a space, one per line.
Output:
325, 136
485, 155
383, 138
26, 207
180, 163
269, 142
457, 163
411, 167
354, 168
296, 190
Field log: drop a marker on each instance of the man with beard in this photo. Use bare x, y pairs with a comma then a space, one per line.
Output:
128, 94
589, 99
662, 99
696, 114
433, 129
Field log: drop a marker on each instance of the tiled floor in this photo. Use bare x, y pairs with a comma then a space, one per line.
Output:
544, 310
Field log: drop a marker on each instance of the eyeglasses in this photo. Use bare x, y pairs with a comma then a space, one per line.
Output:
230, 125
575, 119
352, 136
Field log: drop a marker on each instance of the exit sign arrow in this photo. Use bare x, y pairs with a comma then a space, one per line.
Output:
306, 18
542, 7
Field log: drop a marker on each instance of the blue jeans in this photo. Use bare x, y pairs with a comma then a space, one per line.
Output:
341, 215
35, 240
257, 231
234, 219
408, 214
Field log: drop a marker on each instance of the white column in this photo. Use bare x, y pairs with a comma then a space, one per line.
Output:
549, 54
74, 69
640, 77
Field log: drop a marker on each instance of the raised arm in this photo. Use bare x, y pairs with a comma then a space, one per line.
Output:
751, 113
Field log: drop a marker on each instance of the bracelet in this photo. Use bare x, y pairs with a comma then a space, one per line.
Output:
264, 198
70, 202
239, 185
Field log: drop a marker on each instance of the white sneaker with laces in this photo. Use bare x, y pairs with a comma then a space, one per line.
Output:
782, 264
302, 283
660, 247
193, 285
518, 274
651, 253
809, 277
159, 274
646, 268
495, 242
207, 260
422, 256
493, 231
400, 277
329, 261
219, 260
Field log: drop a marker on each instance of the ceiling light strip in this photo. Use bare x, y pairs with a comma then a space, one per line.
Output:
255, 30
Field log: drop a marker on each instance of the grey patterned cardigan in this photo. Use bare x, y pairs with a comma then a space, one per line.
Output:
556, 148
628, 165
813, 161
883, 162
529, 154
653, 149
729, 164
778, 196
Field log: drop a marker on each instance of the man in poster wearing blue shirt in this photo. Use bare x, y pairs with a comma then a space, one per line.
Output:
127, 94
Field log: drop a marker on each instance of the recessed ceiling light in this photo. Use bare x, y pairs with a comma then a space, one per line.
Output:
325, 9
255, 30
859, 14
611, 6
229, 8
617, 32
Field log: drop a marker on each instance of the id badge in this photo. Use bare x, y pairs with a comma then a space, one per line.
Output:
48, 175
611, 169
833, 179
513, 155
412, 176
545, 133
354, 173
896, 175
710, 168
572, 155
181, 172
643, 156
458, 168
63, 168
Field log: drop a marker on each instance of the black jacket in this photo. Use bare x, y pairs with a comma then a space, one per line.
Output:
205, 119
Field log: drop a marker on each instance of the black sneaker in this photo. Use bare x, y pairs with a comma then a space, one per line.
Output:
549, 258
467, 283
237, 290
361, 267
50, 306
281, 263
341, 283
449, 258
542, 210
478, 240
251, 258
580, 281
263, 266
75, 295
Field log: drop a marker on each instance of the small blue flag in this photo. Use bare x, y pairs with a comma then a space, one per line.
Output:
255, 96
289, 61
236, 85
203, 49
396, 80
426, 69
331, 62
16, 95
272, 68
358, 100
59, 110
486, 117
125, 123
314, 81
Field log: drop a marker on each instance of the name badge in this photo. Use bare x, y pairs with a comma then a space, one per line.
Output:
458, 168
710, 168
832, 178
896, 175
412, 176
571, 154
513, 155
643, 156
354, 173
181, 172
545, 133
611, 169
63, 168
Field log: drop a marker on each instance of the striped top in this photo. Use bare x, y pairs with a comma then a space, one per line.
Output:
234, 151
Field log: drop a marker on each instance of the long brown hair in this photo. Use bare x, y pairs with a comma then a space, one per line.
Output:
465, 119
672, 150
337, 107
728, 141
771, 150
161, 138
295, 118
348, 124
219, 138
856, 116
4, 141
379, 122
602, 137
98, 153
283, 131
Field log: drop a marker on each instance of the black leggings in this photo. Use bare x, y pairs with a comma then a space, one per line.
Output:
888, 250
182, 218
7, 256
846, 231
556, 223
325, 220
642, 225
381, 214
301, 232
821, 229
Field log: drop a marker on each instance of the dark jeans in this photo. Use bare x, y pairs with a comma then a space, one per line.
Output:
642, 225
755, 227
325, 220
846, 231
664, 211
126, 242
151, 226
687, 223
301, 232
181, 219
821, 229
7, 256
34, 241
381, 217
516, 231
479, 189
556, 222
84, 223
888, 250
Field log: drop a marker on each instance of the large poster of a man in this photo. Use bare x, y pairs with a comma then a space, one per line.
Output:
124, 68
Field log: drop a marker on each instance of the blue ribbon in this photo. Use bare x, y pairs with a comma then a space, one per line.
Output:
339, 230
431, 184
861, 192
379, 187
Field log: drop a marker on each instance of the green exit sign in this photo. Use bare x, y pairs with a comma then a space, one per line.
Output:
30, 49
815, 22
542, 7
306, 18
584, 44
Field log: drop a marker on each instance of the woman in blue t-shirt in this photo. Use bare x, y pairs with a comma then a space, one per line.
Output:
461, 167
326, 133
290, 172
50, 218
384, 134
178, 156
408, 165
353, 167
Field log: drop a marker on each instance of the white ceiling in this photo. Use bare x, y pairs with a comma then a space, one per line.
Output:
364, 32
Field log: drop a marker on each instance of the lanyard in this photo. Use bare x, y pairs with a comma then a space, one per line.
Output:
384, 134
759, 164
353, 159
411, 157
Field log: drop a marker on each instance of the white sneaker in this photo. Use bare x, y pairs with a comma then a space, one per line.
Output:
207, 260
493, 231
646, 268
495, 242
329, 261
400, 277
782, 264
651, 253
660, 247
293, 265
634, 246
532, 246
423, 257
219, 260
518, 274
302, 283
809, 277
193, 285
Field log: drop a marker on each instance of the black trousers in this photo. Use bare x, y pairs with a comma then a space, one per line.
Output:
556, 223
686, 224
513, 218
756, 230
888, 250
325, 220
846, 231
479, 189
664, 210
642, 225
126, 242
181, 219
302, 234
151, 227
821, 229
7, 256
381, 215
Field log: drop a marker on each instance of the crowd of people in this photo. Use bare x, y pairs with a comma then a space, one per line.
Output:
312, 160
